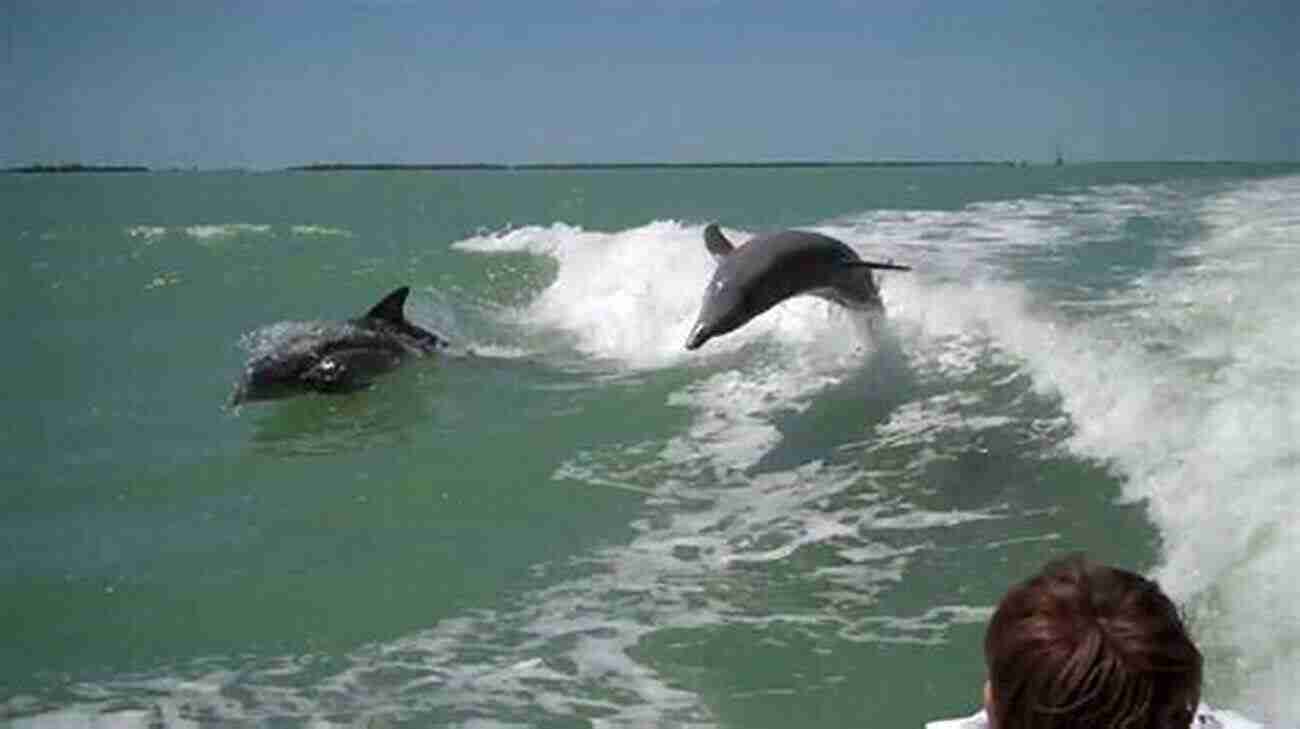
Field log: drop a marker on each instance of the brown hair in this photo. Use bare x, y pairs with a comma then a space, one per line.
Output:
1086, 646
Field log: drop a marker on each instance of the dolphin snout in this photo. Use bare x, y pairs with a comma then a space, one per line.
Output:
699, 335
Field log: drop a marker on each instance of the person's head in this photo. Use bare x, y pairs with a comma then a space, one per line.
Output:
1086, 646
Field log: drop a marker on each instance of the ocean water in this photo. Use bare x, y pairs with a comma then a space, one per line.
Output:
569, 520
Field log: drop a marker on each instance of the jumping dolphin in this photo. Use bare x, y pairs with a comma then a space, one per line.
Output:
771, 268
335, 356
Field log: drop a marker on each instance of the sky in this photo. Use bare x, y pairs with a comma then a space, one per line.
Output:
272, 83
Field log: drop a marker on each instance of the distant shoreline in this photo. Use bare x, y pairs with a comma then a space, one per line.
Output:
496, 167
493, 167
73, 168
581, 166
469, 167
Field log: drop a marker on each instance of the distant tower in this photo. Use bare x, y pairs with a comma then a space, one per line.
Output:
1060, 159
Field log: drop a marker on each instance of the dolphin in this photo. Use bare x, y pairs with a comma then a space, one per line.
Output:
769, 269
335, 357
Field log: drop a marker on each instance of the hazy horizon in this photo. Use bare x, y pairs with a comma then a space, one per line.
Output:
343, 166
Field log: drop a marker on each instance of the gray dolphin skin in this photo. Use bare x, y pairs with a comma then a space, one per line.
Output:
769, 269
337, 357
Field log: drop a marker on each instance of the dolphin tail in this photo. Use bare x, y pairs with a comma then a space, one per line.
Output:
716, 242
391, 308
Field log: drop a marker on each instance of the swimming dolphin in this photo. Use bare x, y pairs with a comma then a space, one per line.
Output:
336, 357
771, 268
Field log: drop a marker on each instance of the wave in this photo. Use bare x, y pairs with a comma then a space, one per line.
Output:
1184, 381
1178, 376
632, 296
1207, 431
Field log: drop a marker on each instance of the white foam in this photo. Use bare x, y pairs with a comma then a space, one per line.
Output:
632, 296
1222, 470
163, 279
209, 232
149, 233
320, 230
922, 421
224, 230
500, 351
1205, 427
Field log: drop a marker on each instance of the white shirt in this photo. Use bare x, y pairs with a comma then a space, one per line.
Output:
1206, 718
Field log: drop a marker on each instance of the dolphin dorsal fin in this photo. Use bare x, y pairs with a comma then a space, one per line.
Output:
390, 309
716, 242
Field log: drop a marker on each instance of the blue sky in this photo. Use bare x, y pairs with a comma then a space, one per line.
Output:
278, 82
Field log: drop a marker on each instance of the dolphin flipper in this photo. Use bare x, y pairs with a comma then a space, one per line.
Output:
716, 242
852, 287
345, 370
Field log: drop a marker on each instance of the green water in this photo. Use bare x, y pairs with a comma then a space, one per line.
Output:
550, 531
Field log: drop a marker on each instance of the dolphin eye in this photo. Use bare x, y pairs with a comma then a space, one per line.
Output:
719, 285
